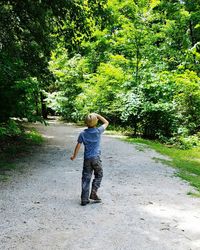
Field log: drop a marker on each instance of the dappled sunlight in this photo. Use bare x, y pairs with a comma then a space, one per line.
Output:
196, 159
48, 136
185, 219
52, 121
116, 136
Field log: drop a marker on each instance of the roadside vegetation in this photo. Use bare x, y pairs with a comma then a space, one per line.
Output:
187, 161
15, 141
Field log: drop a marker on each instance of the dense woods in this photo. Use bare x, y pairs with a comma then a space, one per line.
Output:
135, 62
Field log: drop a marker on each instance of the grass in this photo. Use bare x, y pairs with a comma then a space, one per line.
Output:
14, 147
186, 161
33, 137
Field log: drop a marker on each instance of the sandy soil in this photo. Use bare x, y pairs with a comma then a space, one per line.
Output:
144, 205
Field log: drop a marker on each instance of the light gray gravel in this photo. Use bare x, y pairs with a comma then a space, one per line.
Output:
145, 207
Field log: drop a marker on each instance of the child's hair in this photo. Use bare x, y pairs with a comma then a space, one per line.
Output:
91, 120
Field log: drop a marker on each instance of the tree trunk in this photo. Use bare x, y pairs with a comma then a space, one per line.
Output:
43, 106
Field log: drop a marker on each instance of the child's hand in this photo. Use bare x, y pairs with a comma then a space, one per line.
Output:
72, 157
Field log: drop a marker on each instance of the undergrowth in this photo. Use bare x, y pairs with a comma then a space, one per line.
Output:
15, 141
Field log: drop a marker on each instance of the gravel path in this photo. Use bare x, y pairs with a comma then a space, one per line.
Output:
144, 205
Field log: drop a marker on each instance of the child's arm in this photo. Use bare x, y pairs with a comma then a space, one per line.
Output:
78, 145
102, 119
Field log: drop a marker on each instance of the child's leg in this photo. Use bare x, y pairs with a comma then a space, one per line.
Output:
98, 174
86, 177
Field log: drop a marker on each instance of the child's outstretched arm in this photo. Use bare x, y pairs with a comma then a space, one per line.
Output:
78, 145
103, 120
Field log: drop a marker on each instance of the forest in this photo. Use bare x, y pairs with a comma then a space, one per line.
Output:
135, 61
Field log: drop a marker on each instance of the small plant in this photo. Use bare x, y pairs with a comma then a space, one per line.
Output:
15, 141
33, 137
10, 129
188, 142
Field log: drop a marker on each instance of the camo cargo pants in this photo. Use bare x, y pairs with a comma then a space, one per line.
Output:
90, 166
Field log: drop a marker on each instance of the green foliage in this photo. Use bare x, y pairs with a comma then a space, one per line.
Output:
188, 100
140, 71
32, 137
150, 107
188, 142
30, 30
69, 73
15, 141
13, 133
10, 129
136, 62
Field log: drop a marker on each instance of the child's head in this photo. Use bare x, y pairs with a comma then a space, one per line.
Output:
91, 120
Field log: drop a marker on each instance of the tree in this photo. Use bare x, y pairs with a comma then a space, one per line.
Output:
137, 66
30, 30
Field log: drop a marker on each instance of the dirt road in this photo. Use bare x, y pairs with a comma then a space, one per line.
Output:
145, 207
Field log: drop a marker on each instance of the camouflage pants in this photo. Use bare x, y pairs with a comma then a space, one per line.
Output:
90, 166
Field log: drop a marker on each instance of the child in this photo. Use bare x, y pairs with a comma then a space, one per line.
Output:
90, 137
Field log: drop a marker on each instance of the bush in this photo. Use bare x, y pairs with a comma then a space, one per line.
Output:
188, 142
10, 129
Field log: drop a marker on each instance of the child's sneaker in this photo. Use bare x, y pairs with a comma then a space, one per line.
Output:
94, 196
83, 203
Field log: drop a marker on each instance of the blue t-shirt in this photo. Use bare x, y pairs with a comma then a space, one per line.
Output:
90, 137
